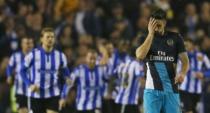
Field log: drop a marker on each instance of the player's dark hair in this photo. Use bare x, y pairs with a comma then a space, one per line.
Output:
92, 50
189, 40
26, 37
108, 42
159, 14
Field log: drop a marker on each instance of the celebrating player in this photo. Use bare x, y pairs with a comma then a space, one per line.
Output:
15, 66
43, 65
191, 87
129, 73
160, 50
89, 79
108, 101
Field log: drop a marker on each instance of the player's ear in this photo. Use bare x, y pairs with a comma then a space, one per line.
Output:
164, 22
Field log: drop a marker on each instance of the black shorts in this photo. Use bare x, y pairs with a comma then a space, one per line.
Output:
86, 111
127, 108
189, 100
68, 109
41, 105
108, 106
21, 101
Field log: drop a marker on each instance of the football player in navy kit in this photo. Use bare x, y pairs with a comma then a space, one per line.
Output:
160, 50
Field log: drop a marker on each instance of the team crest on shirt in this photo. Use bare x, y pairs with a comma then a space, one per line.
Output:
170, 42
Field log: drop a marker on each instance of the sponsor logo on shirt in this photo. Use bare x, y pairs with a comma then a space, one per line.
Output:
161, 57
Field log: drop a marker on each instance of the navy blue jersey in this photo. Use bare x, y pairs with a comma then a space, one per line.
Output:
161, 61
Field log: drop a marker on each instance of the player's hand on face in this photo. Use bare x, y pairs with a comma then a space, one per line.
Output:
152, 26
62, 103
34, 88
179, 78
199, 75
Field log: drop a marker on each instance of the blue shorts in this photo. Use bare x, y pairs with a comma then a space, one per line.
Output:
161, 102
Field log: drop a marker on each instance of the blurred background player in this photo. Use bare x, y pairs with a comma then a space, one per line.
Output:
108, 105
160, 50
14, 71
129, 73
43, 65
89, 79
191, 88
116, 56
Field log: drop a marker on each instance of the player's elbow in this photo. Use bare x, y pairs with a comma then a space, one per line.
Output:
140, 55
185, 62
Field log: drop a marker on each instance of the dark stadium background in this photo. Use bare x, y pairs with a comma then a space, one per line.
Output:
103, 19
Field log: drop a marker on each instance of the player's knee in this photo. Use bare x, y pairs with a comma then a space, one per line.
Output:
23, 110
189, 112
51, 111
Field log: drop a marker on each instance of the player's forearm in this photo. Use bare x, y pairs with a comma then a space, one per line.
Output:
66, 89
206, 73
9, 71
105, 56
23, 73
65, 71
104, 59
185, 68
185, 63
111, 85
142, 51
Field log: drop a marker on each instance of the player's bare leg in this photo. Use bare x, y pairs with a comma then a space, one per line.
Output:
51, 111
23, 110
189, 112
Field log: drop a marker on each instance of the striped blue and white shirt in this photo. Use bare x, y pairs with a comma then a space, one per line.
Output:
43, 69
113, 62
14, 65
129, 73
197, 60
89, 83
